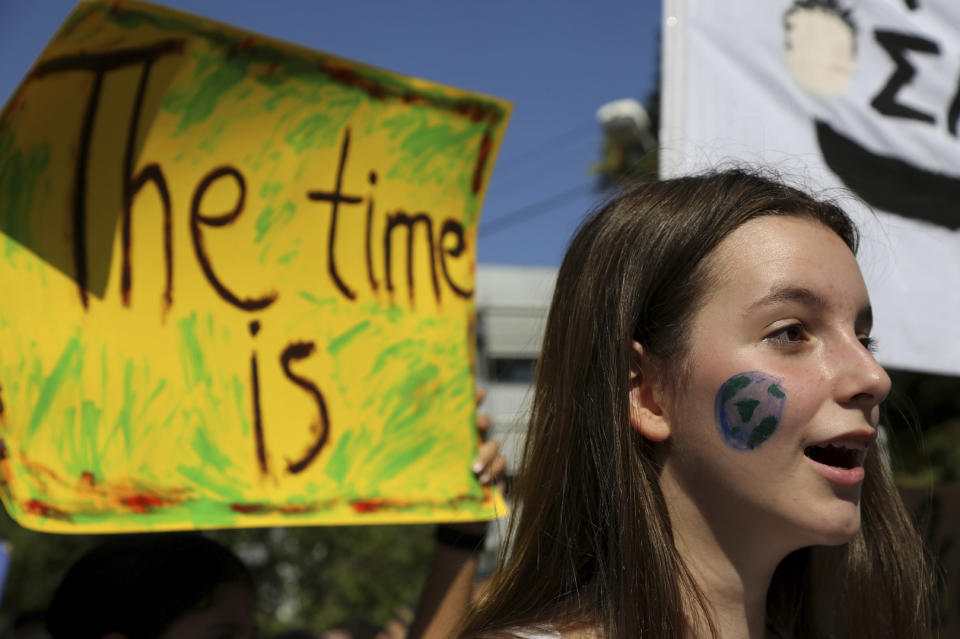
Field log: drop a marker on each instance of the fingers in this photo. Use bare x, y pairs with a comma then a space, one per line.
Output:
496, 472
483, 425
483, 419
394, 629
489, 464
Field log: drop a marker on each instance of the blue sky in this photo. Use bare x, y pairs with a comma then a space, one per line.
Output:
556, 60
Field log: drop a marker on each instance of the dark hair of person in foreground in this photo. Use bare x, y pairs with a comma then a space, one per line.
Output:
138, 587
595, 550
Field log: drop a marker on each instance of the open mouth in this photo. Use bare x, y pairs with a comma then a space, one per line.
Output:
836, 455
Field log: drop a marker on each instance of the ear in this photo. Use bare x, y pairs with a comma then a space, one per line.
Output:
646, 400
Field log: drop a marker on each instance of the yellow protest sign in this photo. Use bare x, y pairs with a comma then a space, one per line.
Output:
236, 282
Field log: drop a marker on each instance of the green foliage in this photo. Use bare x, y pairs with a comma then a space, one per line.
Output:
319, 577
923, 413
306, 577
38, 562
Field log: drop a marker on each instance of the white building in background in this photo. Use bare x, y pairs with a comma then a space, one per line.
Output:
512, 305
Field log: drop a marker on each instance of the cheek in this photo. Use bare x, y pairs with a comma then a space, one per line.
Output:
749, 408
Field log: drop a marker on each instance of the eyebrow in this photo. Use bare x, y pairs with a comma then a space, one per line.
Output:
805, 296
796, 294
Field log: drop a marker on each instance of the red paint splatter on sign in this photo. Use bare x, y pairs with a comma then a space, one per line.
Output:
143, 503
369, 505
486, 144
297, 509
349, 77
250, 509
43, 509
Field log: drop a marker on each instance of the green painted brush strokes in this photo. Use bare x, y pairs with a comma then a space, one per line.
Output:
209, 452
211, 142
338, 343
433, 153
401, 403
90, 415
68, 367
288, 257
763, 430
348, 448
402, 441
402, 453
388, 354
271, 221
325, 129
240, 397
225, 489
196, 98
775, 390
66, 442
192, 358
132, 421
325, 302
309, 131
143, 425
124, 422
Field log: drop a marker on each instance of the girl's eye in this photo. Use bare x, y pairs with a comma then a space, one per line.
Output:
788, 335
869, 343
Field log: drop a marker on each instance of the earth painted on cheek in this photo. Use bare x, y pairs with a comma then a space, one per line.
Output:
748, 409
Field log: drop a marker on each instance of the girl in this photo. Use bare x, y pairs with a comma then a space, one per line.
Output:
701, 459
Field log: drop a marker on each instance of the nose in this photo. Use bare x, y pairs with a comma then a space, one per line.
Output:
862, 382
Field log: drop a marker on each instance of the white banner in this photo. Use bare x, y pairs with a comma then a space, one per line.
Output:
856, 100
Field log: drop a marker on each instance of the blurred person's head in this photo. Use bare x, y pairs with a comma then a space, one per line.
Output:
30, 624
159, 586
297, 633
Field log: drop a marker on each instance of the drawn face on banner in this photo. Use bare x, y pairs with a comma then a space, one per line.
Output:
821, 47
770, 430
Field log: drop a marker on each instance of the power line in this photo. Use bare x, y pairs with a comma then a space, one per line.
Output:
558, 141
531, 210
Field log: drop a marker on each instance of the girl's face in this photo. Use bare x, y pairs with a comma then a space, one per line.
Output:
769, 430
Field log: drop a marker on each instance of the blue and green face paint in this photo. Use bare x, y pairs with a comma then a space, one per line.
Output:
748, 409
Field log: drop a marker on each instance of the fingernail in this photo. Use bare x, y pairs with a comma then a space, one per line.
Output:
485, 478
477, 466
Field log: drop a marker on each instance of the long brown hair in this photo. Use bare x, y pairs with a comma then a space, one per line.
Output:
592, 544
